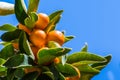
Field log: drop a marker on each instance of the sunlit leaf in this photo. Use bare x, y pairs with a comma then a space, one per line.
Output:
18, 60
84, 56
55, 14
68, 38
86, 76
47, 55
30, 20
20, 11
7, 51
87, 69
12, 35
80, 63
100, 66
3, 71
33, 6
7, 27
54, 19
67, 70
24, 45
84, 48
53, 44
2, 61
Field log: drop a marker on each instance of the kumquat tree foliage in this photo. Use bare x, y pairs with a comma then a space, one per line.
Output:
33, 49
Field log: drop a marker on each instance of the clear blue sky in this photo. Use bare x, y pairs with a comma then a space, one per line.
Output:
96, 22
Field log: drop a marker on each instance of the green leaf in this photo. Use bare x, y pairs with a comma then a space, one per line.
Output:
19, 73
33, 6
47, 55
84, 48
54, 19
31, 76
61, 77
49, 74
6, 8
12, 35
100, 66
86, 76
68, 38
4, 43
31, 19
3, 71
19, 60
2, 61
53, 44
24, 45
67, 70
80, 63
87, 69
7, 52
84, 56
55, 14
10, 74
20, 11
56, 73
7, 27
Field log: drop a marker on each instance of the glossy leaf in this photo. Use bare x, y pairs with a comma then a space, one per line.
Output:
67, 70
62, 77
20, 11
80, 63
7, 27
6, 8
87, 69
49, 74
55, 14
84, 56
24, 45
47, 55
30, 20
7, 52
84, 48
2, 61
54, 19
12, 35
56, 73
86, 76
19, 60
68, 38
33, 6
31, 76
3, 71
100, 66
19, 73
53, 44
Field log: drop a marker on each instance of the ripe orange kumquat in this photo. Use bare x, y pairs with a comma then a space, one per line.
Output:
56, 36
15, 45
38, 38
43, 20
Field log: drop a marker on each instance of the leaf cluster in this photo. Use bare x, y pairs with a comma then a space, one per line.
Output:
20, 64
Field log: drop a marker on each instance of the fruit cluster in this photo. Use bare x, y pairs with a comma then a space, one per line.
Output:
33, 49
37, 35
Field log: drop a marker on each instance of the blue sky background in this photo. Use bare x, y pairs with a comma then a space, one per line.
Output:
96, 22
